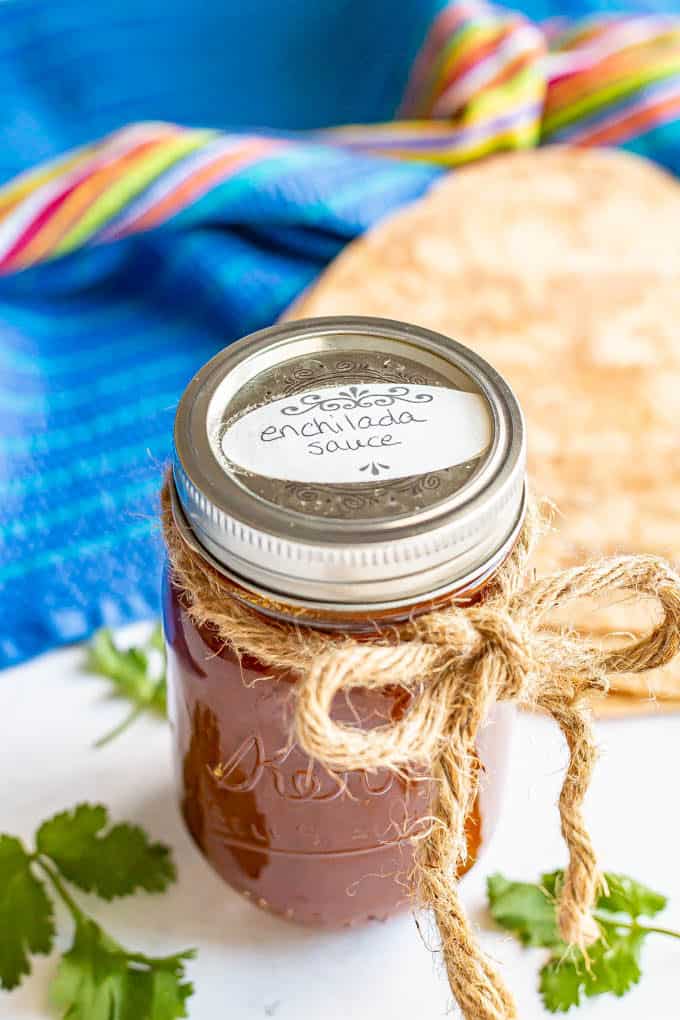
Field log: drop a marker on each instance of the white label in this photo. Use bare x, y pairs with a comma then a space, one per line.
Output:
360, 433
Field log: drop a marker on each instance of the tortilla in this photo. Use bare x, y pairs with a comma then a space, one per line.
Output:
562, 268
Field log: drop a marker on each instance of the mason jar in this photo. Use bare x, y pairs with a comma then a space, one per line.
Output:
342, 474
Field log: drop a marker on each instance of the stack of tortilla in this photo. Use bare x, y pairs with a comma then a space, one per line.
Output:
562, 268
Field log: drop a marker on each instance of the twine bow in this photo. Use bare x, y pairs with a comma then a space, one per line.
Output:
457, 662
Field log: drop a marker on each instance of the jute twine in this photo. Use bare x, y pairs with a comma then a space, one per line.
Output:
457, 662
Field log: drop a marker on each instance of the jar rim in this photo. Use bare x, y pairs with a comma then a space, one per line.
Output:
376, 561
286, 606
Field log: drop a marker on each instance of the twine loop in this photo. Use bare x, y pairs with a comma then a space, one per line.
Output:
456, 663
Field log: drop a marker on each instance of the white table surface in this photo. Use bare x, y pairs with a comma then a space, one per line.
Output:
251, 966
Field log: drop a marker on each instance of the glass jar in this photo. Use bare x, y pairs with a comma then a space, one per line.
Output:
342, 474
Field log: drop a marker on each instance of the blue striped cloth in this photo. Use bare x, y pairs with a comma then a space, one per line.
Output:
96, 348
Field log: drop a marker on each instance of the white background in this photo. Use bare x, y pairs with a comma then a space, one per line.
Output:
251, 966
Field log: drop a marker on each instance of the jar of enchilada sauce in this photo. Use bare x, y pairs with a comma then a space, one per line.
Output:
343, 474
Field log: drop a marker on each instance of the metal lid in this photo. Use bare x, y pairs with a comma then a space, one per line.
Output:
350, 461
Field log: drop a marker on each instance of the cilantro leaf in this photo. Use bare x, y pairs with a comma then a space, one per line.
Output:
524, 909
98, 980
552, 881
614, 962
130, 669
611, 964
115, 862
26, 916
626, 896
560, 983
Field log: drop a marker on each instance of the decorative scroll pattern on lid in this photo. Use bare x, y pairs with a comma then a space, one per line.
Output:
358, 434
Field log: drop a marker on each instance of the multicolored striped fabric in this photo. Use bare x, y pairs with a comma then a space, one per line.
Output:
96, 347
478, 85
129, 261
134, 180
612, 80
487, 80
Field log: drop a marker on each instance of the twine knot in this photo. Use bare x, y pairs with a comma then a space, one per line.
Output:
455, 663
508, 640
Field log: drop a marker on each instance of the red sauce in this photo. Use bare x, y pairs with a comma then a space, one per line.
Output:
275, 825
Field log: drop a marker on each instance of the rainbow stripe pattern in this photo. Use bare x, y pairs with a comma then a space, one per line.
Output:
485, 80
127, 263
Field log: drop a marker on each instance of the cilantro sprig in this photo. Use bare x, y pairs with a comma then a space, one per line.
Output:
611, 964
137, 673
96, 977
